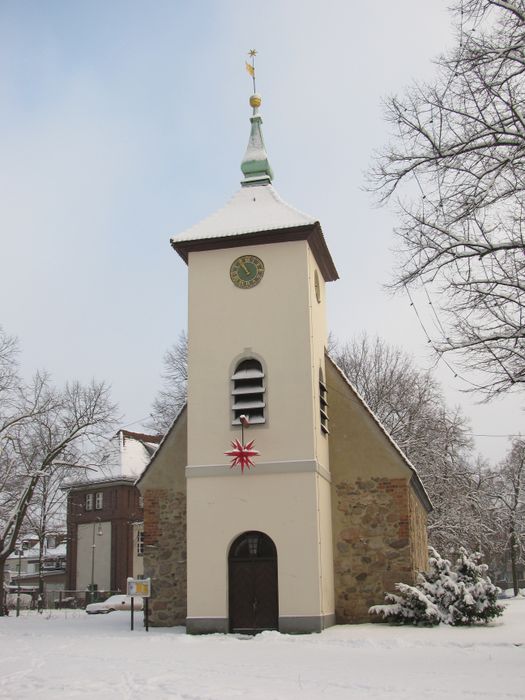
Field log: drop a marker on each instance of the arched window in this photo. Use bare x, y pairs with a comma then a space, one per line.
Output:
248, 392
323, 403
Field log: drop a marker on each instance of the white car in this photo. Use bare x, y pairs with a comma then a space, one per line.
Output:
114, 602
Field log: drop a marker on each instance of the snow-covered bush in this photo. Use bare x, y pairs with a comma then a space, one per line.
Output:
461, 595
477, 599
410, 607
439, 583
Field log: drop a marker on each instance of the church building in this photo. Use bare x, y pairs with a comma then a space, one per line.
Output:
276, 500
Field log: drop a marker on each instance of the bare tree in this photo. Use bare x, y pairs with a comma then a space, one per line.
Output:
456, 168
410, 405
509, 495
46, 513
42, 429
172, 397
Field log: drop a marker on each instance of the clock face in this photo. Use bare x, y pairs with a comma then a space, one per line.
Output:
246, 271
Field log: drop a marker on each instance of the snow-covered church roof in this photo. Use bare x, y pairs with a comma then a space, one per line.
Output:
250, 210
256, 213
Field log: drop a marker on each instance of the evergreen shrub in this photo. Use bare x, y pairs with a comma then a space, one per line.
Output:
459, 595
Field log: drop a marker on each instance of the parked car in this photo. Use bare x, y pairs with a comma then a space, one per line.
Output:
69, 602
114, 602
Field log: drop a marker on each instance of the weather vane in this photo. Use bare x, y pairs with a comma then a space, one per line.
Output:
250, 67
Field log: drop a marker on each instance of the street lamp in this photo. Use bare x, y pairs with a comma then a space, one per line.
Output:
93, 546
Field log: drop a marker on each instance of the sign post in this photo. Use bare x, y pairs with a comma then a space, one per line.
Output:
140, 587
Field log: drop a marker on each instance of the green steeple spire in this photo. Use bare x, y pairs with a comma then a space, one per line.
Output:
255, 165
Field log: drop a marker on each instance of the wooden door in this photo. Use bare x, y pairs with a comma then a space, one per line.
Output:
253, 594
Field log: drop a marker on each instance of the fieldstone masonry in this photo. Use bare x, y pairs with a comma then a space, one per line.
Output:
372, 549
165, 555
418, 533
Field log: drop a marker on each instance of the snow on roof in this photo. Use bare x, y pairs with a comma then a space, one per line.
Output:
250, 210
34, 552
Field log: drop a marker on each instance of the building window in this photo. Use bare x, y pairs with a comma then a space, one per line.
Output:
99, 499
248, 392
89, 501
140, 543
323, 404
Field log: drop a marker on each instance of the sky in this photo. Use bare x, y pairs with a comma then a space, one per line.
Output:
124, 123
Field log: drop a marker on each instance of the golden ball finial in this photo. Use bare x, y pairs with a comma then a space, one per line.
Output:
255, 101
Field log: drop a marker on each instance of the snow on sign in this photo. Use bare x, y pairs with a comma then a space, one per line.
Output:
139, 586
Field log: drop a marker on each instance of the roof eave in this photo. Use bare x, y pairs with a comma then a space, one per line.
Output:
309, 232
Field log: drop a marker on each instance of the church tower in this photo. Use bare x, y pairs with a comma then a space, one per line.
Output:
259, 526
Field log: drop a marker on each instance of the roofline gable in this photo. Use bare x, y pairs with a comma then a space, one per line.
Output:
415, 480
162, 443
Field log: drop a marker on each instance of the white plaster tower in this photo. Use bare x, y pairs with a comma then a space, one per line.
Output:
259, 548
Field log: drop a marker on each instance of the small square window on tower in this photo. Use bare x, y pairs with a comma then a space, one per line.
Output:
99, 500
89, 501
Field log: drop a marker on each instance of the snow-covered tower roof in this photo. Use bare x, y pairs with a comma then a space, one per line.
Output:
256, 214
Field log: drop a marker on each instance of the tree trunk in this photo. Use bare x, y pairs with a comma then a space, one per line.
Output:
513, 561
41, 540
3, 595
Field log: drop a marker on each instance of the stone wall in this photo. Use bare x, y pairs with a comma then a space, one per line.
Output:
418, 533
165, 555
372, 550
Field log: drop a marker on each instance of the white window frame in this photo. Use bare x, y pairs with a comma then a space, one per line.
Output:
99, 500
140, 543
89, 501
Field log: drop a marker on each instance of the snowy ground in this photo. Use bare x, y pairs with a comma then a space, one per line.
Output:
69, 654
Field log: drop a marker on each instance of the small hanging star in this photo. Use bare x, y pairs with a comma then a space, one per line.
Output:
242, 454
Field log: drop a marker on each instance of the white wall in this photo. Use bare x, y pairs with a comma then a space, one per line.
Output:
102, 558
283, 506
281, 323
271, 321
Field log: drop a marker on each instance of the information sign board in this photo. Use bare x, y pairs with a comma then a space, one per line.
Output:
140, 587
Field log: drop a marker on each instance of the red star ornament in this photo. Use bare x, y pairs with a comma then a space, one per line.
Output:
242, 455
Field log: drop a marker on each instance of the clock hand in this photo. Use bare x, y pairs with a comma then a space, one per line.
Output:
247, 272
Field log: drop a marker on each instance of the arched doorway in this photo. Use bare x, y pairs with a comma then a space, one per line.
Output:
253, 597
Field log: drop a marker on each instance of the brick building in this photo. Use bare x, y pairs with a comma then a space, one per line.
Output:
105, 518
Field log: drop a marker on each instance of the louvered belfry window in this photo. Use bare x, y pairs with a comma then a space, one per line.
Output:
323, 403
248, 392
